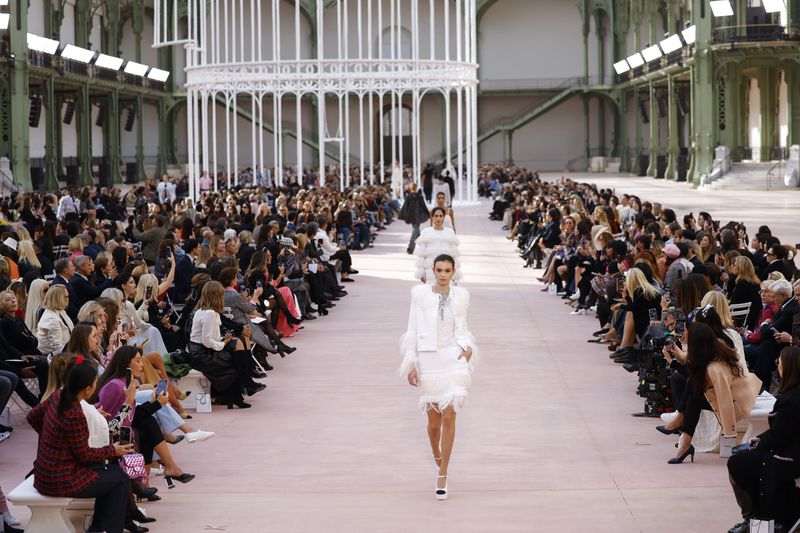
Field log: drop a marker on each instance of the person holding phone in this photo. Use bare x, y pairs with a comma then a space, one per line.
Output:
642, 298
65, 464
111, 397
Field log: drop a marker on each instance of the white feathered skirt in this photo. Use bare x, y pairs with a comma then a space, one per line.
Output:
444, 379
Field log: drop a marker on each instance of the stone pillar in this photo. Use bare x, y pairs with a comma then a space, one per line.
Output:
508, 142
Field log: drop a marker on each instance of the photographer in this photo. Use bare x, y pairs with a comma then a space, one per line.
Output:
763, 477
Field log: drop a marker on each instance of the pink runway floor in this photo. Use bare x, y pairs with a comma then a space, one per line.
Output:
546, 442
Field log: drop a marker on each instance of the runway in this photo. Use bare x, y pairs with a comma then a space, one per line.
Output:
546, 442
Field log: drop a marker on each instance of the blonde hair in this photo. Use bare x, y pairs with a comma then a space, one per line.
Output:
636, 279
23, 234
28, 254
57, 372
205, 255
55, 298
76, 245
212, 297
36, 295
775, 276
21, 292
720, 303
3, 295
139, 271
88, 312
746, 270
115, 295
141, 288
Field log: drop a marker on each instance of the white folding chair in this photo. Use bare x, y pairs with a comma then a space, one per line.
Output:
740, 312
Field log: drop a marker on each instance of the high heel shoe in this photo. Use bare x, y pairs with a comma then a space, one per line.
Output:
145, 493
441, 494
665, 431
678, 460
183, 478
139, 516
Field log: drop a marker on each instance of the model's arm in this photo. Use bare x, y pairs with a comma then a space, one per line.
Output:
408, 343
453, 219
466, 340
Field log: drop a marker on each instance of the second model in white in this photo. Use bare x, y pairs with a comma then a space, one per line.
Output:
433, 242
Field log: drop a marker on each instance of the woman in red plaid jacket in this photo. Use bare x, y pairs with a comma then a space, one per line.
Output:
65, 465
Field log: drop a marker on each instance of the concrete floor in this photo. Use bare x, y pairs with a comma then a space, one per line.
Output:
546, 442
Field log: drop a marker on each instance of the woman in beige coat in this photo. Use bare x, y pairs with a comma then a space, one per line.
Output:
716, 374
54, 327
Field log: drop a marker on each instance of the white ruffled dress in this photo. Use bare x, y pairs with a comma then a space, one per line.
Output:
430, 244
444, 378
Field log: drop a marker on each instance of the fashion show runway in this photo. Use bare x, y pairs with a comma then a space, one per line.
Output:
545, 442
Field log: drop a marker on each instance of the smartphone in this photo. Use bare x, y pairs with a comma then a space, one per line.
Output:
620, 284
145, 342
128, 377
319, 242
161, 387
148, 293
124, 435
740, 448
653, 315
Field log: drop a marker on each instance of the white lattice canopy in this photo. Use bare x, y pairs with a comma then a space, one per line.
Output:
363, 64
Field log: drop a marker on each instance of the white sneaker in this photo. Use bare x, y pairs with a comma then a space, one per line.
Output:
5, 435
593, 309
579, 311
9, 519
669, 417
199, 436
575, 296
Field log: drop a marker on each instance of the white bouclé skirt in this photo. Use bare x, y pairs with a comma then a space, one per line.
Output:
444, 379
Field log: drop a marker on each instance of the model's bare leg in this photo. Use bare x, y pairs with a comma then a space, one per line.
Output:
629, 331
448, 437
435, 434
175, 395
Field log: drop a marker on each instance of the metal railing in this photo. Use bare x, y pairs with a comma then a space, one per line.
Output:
771, 172
537, 83
751, 33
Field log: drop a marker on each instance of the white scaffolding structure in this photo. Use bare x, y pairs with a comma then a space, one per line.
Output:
376, 55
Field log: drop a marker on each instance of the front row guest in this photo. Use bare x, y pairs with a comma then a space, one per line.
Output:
66, 466
225, 361
763, 477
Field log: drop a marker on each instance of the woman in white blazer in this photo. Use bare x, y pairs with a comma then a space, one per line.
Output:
55, 326
438, 353
433, 242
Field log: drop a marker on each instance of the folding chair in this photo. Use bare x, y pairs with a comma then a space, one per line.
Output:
740, 312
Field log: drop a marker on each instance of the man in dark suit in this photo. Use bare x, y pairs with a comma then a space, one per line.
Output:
64, 271
775, 342
82, 288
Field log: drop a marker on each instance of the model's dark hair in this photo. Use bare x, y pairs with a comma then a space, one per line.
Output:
78, 378
446, 258
437, 208
120, 361
790, 360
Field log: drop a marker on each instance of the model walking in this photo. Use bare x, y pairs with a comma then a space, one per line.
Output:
438, 356
433, 242
441, 201
414, 212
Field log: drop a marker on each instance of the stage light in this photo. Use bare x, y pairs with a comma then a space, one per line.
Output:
651, 53
690, 34
774, 6
42, 44
77, 53
636, 60
158, 75
671, 44
137, 69
721, 8
621, 67
109, 62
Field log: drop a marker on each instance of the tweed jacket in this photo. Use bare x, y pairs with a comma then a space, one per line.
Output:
420, 336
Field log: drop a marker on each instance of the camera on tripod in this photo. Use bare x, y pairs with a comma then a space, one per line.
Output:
654, 372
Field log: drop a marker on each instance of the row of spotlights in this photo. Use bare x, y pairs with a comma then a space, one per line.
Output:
671, 44
82, 55
724, 8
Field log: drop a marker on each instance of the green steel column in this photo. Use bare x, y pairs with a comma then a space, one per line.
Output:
15, 130
703, 81
508, 139
740, 17
622, 134
601, 49
672, 19
586, 27
83, 108
111, 135
161, 157
141, 176
638, 122
654, 133
769, 111
793, 101
51, 165
586, 137
138, 29
793, 17
601, 125
674, 131
732, 135
59, 133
